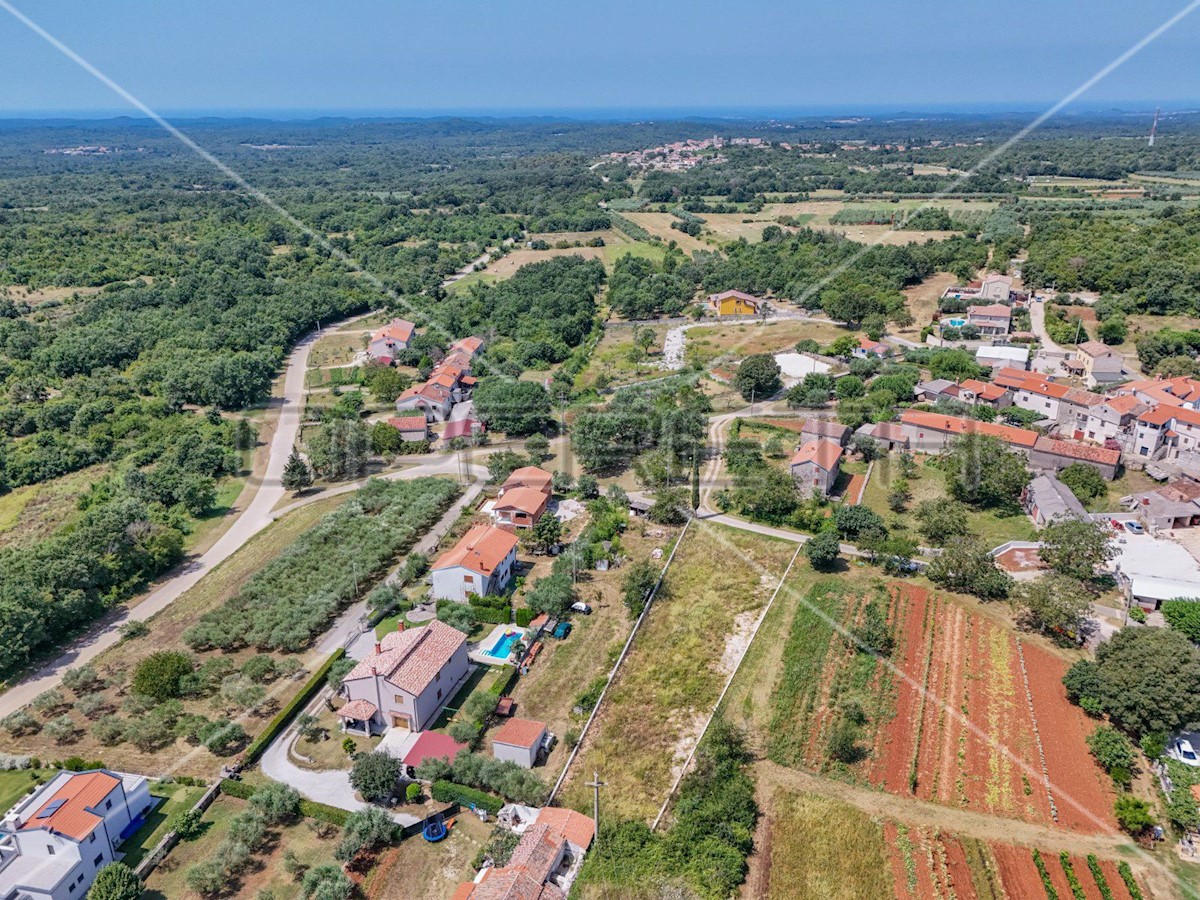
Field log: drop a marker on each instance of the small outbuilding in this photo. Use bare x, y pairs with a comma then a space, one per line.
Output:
519, 741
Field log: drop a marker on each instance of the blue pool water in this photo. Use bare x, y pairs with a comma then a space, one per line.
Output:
957, 323
503, 647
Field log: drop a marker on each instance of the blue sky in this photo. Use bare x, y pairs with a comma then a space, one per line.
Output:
441, 55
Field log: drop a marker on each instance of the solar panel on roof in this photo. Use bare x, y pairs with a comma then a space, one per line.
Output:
51, 808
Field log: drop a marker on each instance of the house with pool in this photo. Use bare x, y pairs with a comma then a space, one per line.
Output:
406, 680
481, 563
55, 840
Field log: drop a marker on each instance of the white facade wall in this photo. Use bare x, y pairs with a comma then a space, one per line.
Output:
419, 711
455, 582
524, 757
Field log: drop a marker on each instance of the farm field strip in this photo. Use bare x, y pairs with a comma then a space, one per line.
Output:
873, 854
978, 680
659, 701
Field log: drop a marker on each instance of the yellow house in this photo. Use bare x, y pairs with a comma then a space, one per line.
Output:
733, 303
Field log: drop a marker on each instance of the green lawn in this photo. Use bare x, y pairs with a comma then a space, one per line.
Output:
177, 799
930, 484
480, 680
15, 784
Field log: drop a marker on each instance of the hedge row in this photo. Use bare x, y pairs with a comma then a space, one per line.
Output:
281, 718
492, 616
449, 792
309, 808
525, 615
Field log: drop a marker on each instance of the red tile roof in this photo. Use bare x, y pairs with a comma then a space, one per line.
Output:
414, 422
358, 709
575, 827
460, 428
725, 295
954, 425
992, 310
481, 550
821, 452
523, 499
411, 658
984, 389
1071, 450
1161, 415
396, 330
536, 853
520, 733
471, 345
1094, 349
432, 745
1124, 404
79, 793
528, 476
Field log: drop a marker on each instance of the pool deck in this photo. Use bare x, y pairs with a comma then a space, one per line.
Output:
478, 652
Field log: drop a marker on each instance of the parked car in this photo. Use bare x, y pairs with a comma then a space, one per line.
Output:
1135, 527
1116, 524
581, 607
562, 630
1182, 751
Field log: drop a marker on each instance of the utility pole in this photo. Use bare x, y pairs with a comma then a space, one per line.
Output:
595, 784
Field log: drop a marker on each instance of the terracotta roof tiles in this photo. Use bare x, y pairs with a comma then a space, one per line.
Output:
820, 452
79, 793
481, 550
520, 733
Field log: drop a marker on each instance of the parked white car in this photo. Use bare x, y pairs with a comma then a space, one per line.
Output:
1182, 751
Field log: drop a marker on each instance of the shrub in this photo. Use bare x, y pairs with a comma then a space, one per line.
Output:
206, 877
133, 629
293, 706
326, 883
222, 737
260, 668
20, 723
1138, 615
1114, 752
116, 881
49, 701
366, 829
189, 825
91, 704
823, 550
81, 679
277, 802
412, 793
374, 775
525, 616
1133, 815
159, 674
62, 729
448, 792
109, 730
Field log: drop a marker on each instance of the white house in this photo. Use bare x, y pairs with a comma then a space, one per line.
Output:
519, 741
54, 842
999, 355
481, 563
390, 340
406, 680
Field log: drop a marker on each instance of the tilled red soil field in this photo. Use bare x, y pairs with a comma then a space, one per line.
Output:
972, 738
1083, 794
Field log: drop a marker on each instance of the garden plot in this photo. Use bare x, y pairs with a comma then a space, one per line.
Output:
975, 715
665, 690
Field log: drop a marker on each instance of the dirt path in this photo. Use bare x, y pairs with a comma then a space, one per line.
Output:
911, 811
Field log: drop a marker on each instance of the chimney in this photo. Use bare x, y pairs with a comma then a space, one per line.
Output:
399, 626
378, 648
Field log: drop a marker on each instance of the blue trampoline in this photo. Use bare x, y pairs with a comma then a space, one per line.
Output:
435, 828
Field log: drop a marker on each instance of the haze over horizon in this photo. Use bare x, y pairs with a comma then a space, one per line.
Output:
540, 58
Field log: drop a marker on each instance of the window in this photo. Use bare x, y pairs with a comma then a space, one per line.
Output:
80, 878
49, 850
92, 837
439, 694
437, 676
70, 888
96, 861
108, 804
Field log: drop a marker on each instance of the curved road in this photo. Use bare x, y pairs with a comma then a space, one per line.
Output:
258, 514
254, 518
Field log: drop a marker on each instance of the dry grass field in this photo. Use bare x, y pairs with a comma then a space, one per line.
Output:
659, 224
29, 514
665, 690
740, 340
922, 300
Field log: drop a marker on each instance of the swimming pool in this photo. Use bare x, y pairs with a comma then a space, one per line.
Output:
956, 323
503, 647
